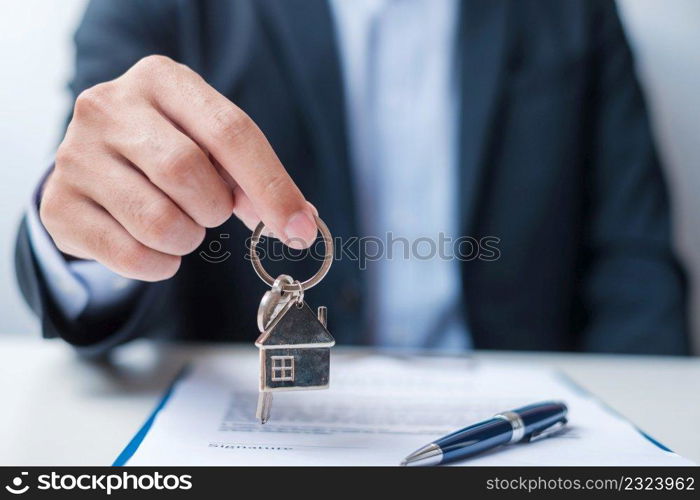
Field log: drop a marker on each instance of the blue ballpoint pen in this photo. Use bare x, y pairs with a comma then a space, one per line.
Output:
524, 424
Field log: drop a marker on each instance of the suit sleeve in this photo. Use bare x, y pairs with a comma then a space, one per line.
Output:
112, 36
633, 289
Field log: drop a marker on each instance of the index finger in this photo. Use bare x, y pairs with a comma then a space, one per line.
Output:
241, 148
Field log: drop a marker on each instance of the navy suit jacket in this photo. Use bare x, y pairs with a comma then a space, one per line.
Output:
556, 159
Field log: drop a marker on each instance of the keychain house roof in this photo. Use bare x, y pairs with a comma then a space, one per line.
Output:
295, 349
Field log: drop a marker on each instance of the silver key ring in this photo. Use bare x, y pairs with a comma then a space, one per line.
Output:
305, 285
300, 293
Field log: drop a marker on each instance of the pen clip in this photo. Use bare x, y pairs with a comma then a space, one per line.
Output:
547, 431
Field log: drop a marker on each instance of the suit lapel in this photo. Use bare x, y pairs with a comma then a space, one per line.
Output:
482, 54
303, 33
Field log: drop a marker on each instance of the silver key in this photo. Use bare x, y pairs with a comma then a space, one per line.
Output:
273, 301
294, 341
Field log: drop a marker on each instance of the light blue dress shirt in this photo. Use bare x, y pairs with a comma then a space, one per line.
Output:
402, 101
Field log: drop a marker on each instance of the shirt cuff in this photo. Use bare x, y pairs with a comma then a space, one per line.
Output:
75, 286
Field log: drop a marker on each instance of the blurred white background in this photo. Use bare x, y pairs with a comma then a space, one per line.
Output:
36, 55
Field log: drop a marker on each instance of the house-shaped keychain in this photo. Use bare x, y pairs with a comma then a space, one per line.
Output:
294, 353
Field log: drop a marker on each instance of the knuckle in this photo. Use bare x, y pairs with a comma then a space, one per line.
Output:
139, 262
65, 155
275, 185
50, 206
216, 209
100, 242
153, 64
47, 206
54, 202
221, 210
129, 256
231, 123
178, 164
93, 101
69, 157
71, 169
161, 221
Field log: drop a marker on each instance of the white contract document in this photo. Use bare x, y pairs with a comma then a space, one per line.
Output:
378, 409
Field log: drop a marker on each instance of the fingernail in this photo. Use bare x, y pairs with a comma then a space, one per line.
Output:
300, 230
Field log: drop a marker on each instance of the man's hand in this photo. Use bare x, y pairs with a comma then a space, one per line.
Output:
154, 157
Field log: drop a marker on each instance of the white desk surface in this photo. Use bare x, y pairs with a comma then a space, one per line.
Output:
56, 409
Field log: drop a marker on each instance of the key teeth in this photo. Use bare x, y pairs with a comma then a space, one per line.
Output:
264, 406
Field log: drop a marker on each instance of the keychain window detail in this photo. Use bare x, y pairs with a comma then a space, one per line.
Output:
282, 368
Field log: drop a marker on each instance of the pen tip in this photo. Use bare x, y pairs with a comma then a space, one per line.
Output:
430, 454
403, 463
